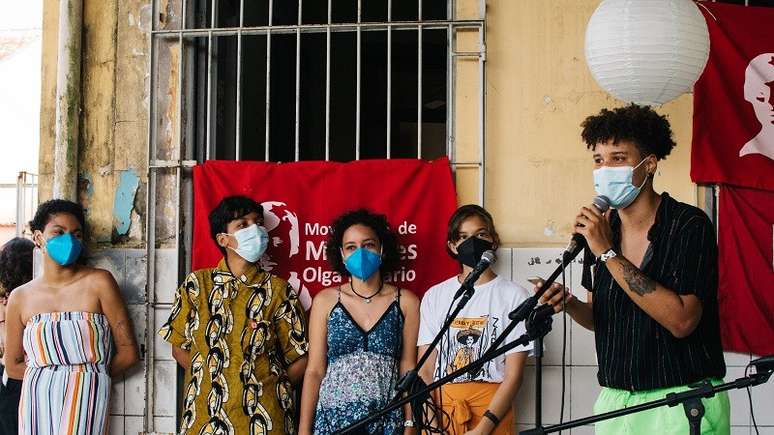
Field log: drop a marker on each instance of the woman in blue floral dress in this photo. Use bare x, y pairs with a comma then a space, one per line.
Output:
362, 333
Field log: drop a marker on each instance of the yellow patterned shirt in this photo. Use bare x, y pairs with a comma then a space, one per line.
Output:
242, 332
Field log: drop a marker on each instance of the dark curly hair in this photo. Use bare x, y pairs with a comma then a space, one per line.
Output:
228, 209
53, 207
648, 130
378, 223
15, 264
459, 216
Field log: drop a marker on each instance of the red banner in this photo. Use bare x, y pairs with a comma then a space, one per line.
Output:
746, 287
302, 199
733, 108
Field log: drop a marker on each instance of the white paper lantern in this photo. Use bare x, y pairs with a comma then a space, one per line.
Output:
647, 51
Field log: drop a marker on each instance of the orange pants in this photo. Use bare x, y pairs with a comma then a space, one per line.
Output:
466, 403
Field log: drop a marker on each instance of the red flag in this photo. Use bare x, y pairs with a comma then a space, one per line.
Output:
302, 199
746, 255
733, 109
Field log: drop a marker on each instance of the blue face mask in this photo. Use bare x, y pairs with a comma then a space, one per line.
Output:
64, 249
362, 263
615, 182
252, 242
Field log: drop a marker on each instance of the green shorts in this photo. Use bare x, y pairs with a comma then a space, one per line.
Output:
664, 420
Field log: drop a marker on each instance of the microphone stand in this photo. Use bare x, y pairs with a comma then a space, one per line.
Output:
538, 324
410, 381
523, 312
690, 399
527, 309
407, 381
538, 352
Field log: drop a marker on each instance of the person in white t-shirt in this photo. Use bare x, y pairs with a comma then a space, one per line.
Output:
478, 402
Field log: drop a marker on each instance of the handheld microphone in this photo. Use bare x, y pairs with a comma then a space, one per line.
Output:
487, 258
577, 243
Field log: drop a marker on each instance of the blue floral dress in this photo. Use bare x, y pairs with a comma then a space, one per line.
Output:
362, 372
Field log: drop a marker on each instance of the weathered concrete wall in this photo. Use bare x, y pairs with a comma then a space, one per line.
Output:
48, 98
113, 140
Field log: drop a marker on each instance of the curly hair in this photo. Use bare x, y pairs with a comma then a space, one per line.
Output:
460, 215
227, 210
15, 264
649, 131
378, 223
53, 207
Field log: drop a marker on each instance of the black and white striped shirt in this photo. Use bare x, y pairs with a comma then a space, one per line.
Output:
634, 351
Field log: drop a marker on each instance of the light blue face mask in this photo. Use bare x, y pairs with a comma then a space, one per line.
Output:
363, 263
64, 249
252, 242
615, 182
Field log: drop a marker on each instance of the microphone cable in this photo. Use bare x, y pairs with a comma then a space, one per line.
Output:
749, 398
564, 346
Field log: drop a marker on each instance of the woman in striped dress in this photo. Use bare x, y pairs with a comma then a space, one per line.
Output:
73, 327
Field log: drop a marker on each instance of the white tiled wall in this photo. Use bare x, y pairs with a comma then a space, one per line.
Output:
582, 387
127, 407
165, 368
128, 267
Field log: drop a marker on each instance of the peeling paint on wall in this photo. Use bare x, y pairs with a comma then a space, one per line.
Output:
135, 229
144, 23
550, 229
124, 202
86, 185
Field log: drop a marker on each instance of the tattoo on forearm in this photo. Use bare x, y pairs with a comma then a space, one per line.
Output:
638, 282
19, 359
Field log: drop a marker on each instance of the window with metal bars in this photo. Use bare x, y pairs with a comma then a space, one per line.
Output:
285, 80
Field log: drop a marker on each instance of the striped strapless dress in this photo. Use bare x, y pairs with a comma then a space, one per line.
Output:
66, 388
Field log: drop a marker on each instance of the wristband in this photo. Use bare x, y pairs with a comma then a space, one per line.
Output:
488, 414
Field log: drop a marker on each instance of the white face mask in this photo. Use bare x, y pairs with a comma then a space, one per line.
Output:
252, 242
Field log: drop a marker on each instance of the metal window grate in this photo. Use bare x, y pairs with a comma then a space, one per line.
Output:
201, 36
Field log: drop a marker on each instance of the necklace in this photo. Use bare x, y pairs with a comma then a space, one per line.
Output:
366, 299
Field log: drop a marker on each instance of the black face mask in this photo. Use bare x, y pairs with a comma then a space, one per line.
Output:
470, 251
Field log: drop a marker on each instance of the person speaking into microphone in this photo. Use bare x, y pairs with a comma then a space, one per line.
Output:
478, 402
652, 301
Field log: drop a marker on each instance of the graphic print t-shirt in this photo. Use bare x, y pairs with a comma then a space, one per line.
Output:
474, 329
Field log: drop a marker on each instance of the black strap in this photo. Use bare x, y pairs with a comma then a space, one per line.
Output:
488, 414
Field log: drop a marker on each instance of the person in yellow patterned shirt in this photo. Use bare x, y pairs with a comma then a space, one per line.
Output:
240, 334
